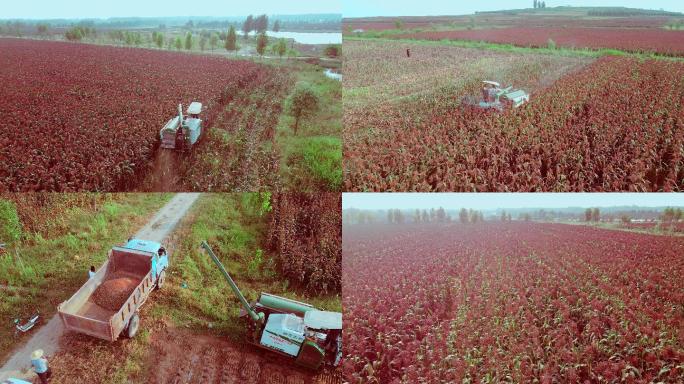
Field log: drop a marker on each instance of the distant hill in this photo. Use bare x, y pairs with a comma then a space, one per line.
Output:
586, 11
549, 11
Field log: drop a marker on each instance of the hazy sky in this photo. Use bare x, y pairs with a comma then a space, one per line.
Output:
507, 200
51, 9
358, 8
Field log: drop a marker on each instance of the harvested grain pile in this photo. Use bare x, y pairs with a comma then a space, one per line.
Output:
112, 294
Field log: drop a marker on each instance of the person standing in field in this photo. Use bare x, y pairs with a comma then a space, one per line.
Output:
91, 273
40, 365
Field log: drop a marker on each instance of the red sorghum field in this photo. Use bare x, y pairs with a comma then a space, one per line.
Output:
515, 302
305, 232
628, 39
84, 117
616, 124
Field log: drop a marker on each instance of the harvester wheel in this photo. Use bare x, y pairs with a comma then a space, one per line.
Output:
133, 325
161, 279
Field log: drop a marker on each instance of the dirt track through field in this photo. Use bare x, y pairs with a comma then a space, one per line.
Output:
47, 337
181, 357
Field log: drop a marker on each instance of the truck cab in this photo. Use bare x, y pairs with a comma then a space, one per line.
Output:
160, 259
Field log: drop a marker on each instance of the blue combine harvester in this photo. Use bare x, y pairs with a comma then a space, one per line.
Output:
182, 132
296, 330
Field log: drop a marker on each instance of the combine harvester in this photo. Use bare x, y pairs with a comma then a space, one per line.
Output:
495, 98
182, 132
295, 330
142, 263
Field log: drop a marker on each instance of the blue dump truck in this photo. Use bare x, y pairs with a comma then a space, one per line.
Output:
139, 263
296, 330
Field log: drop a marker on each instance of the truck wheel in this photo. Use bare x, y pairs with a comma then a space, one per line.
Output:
133, 325
161, 279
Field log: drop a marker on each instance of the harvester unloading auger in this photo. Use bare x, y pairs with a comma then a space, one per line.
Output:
498, 99
182, 132
290, 328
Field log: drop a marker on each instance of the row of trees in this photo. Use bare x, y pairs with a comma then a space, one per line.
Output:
465, 216
539, 4
668, 216
258, 24
672, 215
78, 33
205, 39
592, 214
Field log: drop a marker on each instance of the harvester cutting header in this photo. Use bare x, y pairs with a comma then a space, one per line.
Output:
182, 132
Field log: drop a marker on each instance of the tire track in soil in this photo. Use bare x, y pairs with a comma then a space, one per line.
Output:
185, 358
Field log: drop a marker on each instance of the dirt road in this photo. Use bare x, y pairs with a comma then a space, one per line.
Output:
47, 337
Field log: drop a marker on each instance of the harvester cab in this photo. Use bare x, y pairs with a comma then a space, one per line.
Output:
496, 98
296, 330
182, 132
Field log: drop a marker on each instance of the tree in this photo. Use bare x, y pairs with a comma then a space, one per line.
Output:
261, 24
188, 41
587, 214
179, 43
276, 26
42, 29
625, 219
159, 40
398, 216
595, 215
390, 216
281, 47
248, 26
535, 4
527, 217
303, 103
262, 42
213, 41
543, 4
74, 34
231, 40
203, 42
398, 24
474, 216
425, 218
463, 216
332, 50
441, 215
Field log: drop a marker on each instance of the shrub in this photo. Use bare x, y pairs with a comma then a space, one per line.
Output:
10, 226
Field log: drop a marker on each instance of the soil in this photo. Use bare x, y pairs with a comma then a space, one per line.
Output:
113, 293
180, 357
163, 175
